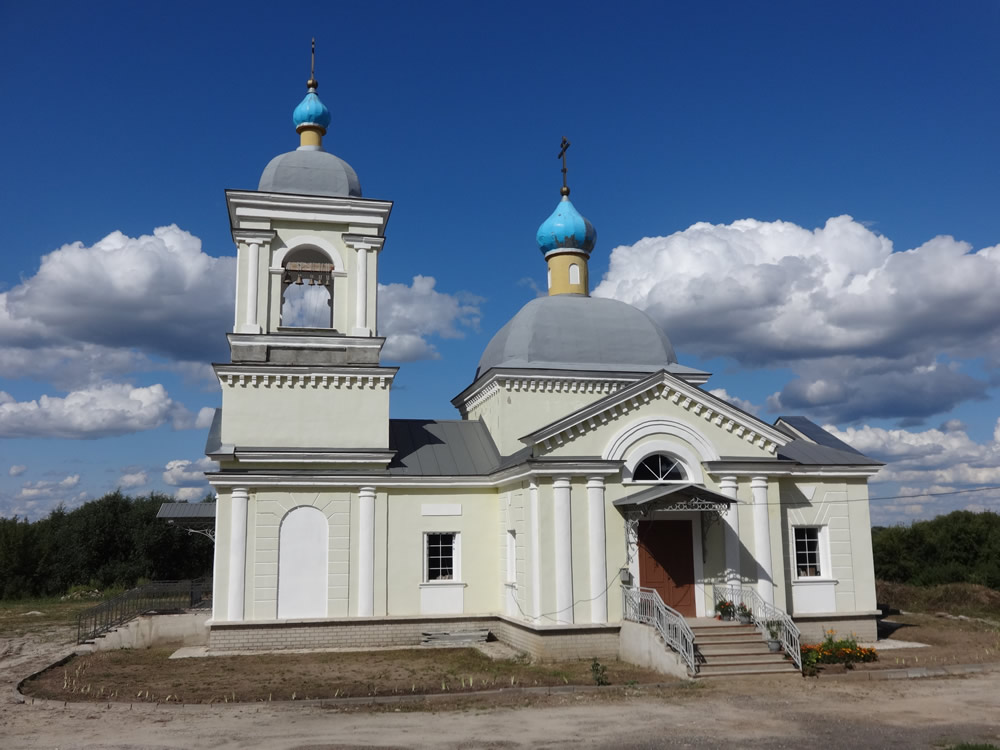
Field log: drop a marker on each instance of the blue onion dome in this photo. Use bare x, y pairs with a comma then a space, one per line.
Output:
566, 229
311, 110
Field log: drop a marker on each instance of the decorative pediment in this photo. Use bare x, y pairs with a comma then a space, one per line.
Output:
659, 386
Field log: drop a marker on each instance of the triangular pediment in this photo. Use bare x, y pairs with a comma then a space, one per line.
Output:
683, 400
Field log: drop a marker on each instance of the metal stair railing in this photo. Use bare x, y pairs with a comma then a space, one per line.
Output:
762, 615
645, 606
156, 596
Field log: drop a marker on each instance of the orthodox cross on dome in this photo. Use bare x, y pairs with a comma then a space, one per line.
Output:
312, 83
564, 146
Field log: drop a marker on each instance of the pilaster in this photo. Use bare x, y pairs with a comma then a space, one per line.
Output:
762, 538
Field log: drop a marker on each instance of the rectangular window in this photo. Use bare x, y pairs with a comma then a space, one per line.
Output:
441, 556
807, 552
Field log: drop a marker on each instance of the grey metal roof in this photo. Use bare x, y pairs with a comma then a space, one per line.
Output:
816, 433
670, 493
805, 452
818, 446
426, 447
310, 171
575, 332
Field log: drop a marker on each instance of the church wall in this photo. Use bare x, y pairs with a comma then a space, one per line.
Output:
581, 552
512, 414
513, 516
268, 508
547, 556
839, 508
409, 518
305, 417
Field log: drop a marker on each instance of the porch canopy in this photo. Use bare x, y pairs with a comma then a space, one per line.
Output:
675, 497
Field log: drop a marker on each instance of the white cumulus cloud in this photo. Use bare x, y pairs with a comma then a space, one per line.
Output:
929, 457
181, 472
740, 403
17, 470
102, 411
869, 332
410, 314
132, 480
187, 494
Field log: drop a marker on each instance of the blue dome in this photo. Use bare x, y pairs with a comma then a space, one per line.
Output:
566, 228
311, 111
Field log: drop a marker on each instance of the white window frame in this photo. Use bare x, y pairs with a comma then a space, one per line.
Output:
456, 559
678, 462
822, 552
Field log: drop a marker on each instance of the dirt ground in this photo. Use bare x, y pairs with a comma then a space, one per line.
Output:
757, 712
149, 675
776, 712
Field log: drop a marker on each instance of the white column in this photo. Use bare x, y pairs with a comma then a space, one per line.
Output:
762, 539
253, 261
536, 552
728, 487
366, 552
361, 298
237, 552
563, 549
598, 550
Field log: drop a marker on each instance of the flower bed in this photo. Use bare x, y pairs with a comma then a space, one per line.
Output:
844, 651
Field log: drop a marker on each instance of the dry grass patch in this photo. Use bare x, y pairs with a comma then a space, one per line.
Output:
149, 675
22, 617
968, 599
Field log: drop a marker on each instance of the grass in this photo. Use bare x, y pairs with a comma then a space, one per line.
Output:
15, 620
150, 676
969, 599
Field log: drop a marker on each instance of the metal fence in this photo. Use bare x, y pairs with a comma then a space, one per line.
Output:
765, 617
645, 605
157, 596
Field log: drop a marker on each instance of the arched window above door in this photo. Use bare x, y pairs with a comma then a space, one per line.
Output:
659, 467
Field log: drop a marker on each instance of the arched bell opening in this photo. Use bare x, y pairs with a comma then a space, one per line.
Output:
307, 290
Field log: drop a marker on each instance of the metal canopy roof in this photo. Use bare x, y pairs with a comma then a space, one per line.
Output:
672, 493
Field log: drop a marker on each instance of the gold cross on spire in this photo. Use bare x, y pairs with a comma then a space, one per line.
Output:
564, 146
312, 83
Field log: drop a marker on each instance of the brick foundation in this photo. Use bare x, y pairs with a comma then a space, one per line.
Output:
544, 643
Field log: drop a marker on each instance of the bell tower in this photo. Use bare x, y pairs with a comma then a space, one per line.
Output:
305, 381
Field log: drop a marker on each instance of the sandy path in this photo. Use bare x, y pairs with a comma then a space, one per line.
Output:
765, 712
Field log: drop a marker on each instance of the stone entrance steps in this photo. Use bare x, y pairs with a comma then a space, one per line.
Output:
728, 648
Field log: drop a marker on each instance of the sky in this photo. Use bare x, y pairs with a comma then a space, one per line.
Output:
804, 195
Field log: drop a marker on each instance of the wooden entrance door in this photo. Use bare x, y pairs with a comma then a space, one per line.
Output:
666, 562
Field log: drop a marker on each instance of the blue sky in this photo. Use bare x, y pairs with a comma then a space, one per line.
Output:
736, 138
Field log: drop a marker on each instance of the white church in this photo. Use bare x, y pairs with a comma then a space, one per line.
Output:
588, 479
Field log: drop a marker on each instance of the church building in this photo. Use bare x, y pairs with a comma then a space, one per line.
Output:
585, 464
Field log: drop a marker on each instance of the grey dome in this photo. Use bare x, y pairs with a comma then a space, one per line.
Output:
310, 171
573, 332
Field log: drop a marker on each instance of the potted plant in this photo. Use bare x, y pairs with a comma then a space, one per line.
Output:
726, 609
773, 633
743, 614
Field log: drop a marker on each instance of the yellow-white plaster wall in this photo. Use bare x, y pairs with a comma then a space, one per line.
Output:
514, 515
480, 561
511, 414
270, 508
305, 416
